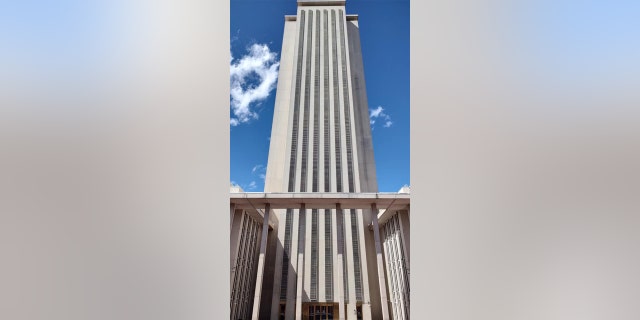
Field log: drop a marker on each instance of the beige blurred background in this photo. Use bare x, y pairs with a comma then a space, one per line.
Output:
527, 170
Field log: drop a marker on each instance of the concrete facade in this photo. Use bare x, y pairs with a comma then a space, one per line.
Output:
314, 243
389, 229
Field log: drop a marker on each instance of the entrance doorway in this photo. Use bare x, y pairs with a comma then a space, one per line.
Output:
319, 311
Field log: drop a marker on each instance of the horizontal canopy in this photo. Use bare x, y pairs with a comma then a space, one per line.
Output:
320, 200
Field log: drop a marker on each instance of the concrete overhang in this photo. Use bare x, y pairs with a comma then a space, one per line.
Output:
385, 215
258, 215
320, 200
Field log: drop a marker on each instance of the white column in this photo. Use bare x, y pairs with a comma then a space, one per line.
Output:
405, 239
261, 257
301, 245
351, 281
290, 311
307, 253
233, 209
364, 266
321, 256
236, 236
277, 274
339, 276
381, 281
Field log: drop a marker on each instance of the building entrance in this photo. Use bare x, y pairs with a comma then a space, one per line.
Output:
319, 311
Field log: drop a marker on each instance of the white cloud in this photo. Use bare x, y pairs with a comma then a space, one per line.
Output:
252, 185
235, 37
260, 170
259, 61
376, 112
256, 168
379, 113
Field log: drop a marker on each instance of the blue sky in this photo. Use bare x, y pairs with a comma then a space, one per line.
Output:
256, 35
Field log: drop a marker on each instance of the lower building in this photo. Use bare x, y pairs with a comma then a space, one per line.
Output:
328, 274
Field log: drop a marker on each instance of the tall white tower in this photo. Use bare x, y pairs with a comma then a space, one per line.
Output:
321, 142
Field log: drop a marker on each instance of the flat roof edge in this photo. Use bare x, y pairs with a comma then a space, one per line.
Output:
321, 2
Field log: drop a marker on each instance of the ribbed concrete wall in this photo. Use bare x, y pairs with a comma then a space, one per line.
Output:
321, 142
395, 233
